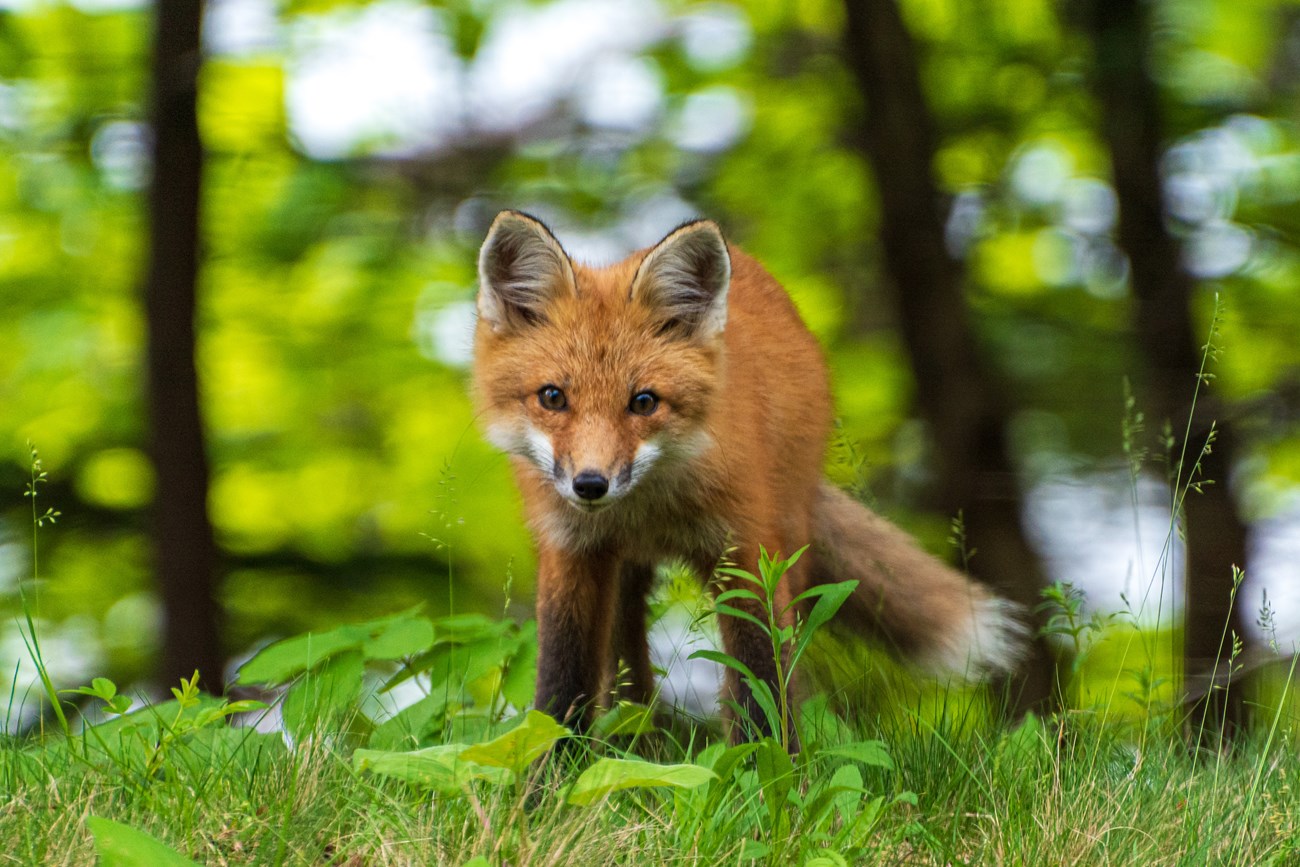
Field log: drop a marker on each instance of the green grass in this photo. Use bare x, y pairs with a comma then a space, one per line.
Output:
926, 778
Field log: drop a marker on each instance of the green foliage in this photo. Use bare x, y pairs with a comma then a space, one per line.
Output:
143, 744
105, 690
463, 782
788, 628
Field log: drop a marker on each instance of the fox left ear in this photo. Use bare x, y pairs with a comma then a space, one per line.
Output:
522, 271
686, 277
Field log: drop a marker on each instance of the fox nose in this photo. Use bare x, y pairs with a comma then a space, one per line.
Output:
590, 485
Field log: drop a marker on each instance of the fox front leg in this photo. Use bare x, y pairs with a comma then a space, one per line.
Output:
631, 644
575, 610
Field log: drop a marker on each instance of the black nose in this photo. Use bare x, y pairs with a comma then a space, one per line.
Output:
590, 485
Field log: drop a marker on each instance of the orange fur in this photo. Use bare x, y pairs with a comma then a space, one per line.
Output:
730, 457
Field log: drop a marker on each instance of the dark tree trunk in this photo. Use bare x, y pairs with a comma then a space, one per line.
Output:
183, 541
965, 407
1216, 536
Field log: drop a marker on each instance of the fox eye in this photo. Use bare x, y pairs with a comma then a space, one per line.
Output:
643, 403
552, 398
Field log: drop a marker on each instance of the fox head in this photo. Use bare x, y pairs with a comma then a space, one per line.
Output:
599, 378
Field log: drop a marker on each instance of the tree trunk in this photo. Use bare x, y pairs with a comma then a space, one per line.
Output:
1216, 535
183, 543
965, 407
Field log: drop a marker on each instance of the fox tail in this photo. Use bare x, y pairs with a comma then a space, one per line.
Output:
926, 611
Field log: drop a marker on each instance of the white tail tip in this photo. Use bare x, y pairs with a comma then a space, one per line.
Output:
993, 639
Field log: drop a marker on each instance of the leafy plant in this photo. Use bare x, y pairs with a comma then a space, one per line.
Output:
789, 632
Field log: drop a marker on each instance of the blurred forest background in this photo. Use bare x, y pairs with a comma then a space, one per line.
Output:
236, 316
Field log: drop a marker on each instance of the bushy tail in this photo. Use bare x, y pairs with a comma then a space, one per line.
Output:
926, 611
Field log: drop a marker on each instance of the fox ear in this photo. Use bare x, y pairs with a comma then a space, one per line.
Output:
521, 270
686, 277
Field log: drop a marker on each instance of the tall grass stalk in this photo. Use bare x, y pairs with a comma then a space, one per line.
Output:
1184, 476
31, 609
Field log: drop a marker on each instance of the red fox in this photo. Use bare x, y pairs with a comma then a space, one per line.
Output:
674, 406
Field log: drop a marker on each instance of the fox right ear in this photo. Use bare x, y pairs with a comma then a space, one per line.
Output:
685, 279
521, 270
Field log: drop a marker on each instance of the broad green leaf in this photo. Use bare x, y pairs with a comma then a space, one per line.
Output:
100, 687
775, 777
869, 812
441, 768
723, 763
736, 572
521, 670
321, 698
612, 775
457, 665
408, 726
404, 634
119, 845
243, 706
847, 781
401, 638
283, 660
521, 746
826, 859
872, 753
119, 704
462, 628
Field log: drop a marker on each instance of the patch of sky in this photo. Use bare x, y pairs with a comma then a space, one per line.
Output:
1116, 542
1040, 172
711, 120
714, 37
120, 150
534, 56
444, 331
237, 28
1274, 558
71, 650
966, 220
1110, 539
383, 77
